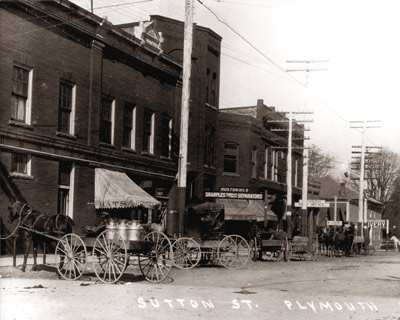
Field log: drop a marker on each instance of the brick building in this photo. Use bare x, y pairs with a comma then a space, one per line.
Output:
204, 96
78, 93
254, 157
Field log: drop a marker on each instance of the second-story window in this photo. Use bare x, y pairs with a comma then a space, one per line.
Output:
148, 131
166, 136
129, 126
107, 120
208, 86
214, 90
21, 98
66, 107
265, 176
254, 162
231, 157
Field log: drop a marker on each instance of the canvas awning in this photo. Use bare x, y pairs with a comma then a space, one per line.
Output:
237, 209
115, 190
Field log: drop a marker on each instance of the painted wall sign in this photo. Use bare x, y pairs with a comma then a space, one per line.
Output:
234, 195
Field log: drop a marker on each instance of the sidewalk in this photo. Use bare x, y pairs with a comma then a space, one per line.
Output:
7, 261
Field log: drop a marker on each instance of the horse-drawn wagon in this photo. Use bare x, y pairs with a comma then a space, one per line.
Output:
109, 252
302, 248
272, 245
206, 241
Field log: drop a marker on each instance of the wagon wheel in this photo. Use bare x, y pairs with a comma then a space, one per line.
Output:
156, 264
71, 257
110, 257
187, 253
233, 252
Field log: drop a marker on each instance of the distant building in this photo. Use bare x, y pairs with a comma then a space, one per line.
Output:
346, 207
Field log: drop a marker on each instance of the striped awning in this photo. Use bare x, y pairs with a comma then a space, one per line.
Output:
115, 190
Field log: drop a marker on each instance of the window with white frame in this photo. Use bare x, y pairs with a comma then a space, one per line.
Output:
107, 122
20, 164
148, 131
21, 97
66, 175
274, 165
66, 107
254, 162
129, 137
166, 136
266, 163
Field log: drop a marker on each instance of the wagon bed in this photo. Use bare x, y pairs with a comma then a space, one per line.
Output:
110, 255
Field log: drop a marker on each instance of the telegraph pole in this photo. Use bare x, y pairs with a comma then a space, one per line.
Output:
184, 125
364, 127
289, 170
304, 191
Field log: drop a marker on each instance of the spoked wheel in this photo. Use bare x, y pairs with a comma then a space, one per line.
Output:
71, 257
156, 264
233, 252
110, 257
187, 253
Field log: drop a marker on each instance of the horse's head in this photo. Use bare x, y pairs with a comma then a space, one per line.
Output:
16, 211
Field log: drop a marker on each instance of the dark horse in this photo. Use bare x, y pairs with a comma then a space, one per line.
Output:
38, 227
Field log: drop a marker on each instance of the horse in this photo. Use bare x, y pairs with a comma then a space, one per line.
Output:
38, 227
396, 242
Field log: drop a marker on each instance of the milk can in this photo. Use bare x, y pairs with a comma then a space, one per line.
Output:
135, 230
111, 229
122, 229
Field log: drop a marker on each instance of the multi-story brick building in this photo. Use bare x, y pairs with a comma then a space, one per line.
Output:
204, 95
254, 157
78, 93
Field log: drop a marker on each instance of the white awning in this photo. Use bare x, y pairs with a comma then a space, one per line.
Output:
237, 209
116, 190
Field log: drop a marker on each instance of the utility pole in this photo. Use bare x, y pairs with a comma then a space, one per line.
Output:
289, 200
184, 125
364, 127
91, 6
304, 191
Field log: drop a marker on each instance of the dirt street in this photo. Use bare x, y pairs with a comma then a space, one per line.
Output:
361, 287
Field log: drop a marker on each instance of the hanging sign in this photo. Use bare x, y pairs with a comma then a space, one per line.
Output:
313, 203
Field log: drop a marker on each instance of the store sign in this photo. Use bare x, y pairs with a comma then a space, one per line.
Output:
313, 203
234, 195
334, 223
382, 224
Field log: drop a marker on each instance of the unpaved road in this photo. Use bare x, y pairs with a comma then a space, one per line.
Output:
330, 288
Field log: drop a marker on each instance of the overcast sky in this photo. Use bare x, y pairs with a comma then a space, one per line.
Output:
360, 38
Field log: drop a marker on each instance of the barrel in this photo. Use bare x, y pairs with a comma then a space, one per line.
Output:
135, 230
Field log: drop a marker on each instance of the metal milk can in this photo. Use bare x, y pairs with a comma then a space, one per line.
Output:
135, 230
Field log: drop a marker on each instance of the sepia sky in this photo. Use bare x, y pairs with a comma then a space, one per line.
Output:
359, 38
